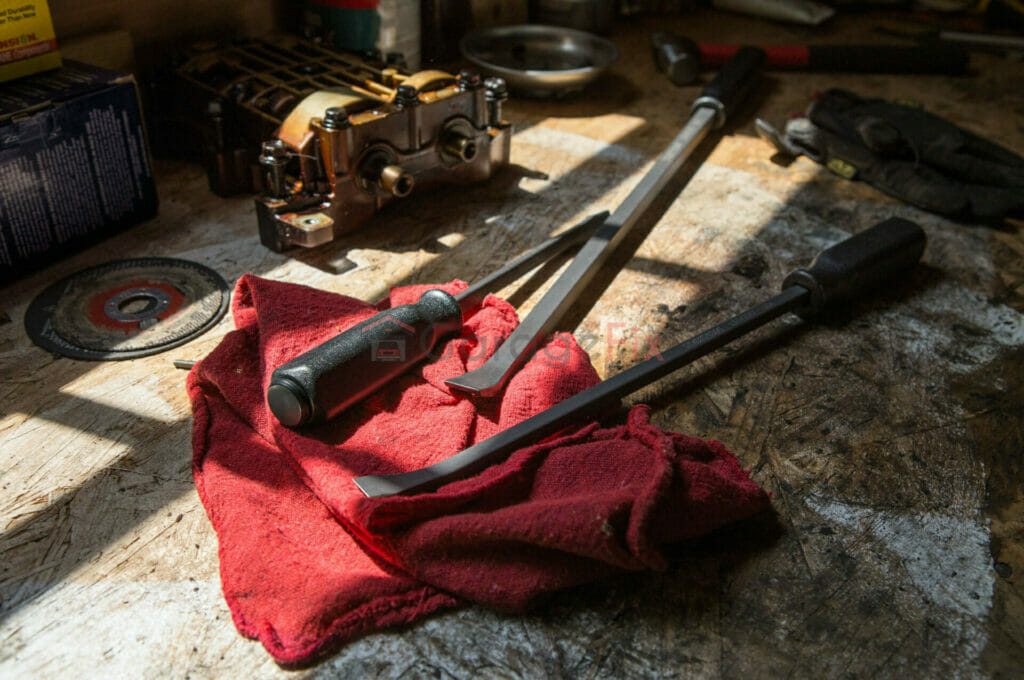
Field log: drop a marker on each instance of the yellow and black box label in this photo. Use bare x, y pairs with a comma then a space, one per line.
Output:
27, 41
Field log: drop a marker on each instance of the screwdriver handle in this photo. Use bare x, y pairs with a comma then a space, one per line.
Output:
726, 92
862, 262
329, 378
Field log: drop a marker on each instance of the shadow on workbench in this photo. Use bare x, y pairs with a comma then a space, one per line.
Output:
80, 522
754, 392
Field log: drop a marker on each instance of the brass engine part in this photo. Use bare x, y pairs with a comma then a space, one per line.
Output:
343, 154
326, 137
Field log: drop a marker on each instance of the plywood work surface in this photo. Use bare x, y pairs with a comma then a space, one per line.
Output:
891, 441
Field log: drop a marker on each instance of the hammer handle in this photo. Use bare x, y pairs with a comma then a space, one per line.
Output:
930, 58
733, 82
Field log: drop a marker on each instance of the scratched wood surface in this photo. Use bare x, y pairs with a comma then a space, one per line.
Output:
891, 440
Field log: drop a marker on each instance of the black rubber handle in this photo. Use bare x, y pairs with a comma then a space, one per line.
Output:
733, 83
928, 58
329, 378
861, 263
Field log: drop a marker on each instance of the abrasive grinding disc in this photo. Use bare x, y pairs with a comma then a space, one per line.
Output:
127, 308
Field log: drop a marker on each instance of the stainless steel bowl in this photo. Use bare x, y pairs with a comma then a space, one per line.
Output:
539, 61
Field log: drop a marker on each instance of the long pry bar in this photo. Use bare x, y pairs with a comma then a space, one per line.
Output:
588, 402
490, 378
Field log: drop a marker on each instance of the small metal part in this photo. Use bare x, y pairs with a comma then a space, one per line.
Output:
539, 61
396, 181
676, 56
406, 96
336, 118
273, 161
771, 134
380, 174
308, 229
215, 116
184, 364
457, 146
469, 80
497, 94
797, 140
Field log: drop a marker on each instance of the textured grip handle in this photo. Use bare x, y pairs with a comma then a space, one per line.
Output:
329, 378
733, 83
859, 264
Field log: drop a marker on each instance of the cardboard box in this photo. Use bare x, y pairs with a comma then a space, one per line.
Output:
27, 41
74, 164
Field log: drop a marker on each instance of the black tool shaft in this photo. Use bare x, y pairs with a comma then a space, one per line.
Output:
838, 275
329, 378
718, 100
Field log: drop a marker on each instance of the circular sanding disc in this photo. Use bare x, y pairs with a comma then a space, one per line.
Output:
127, 308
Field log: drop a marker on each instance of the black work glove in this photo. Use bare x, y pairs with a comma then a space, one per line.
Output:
908, 153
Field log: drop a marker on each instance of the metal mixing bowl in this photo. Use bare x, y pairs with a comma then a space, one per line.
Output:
539, 61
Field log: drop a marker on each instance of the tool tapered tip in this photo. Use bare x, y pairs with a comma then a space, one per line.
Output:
483, 382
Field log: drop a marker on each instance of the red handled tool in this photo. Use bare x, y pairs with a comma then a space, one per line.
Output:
680, 58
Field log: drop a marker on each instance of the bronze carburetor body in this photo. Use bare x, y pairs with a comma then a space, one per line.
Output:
328, 137
344, 153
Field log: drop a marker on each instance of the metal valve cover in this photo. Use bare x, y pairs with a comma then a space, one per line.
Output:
328, 137
344, 153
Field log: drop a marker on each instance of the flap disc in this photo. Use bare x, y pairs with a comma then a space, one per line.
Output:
127, 308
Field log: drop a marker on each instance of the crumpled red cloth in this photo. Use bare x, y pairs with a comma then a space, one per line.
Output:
307, 562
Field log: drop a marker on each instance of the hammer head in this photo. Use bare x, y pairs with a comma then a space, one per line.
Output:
675, 56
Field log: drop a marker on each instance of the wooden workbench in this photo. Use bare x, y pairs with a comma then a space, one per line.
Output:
891, 443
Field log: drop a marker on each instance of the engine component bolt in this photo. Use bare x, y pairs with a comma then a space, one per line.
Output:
496, 88
336, 118
406, 95
497, 92
274, 151
273, 159
215, 116
469, 80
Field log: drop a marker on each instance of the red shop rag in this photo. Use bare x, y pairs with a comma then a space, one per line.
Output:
307, 562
